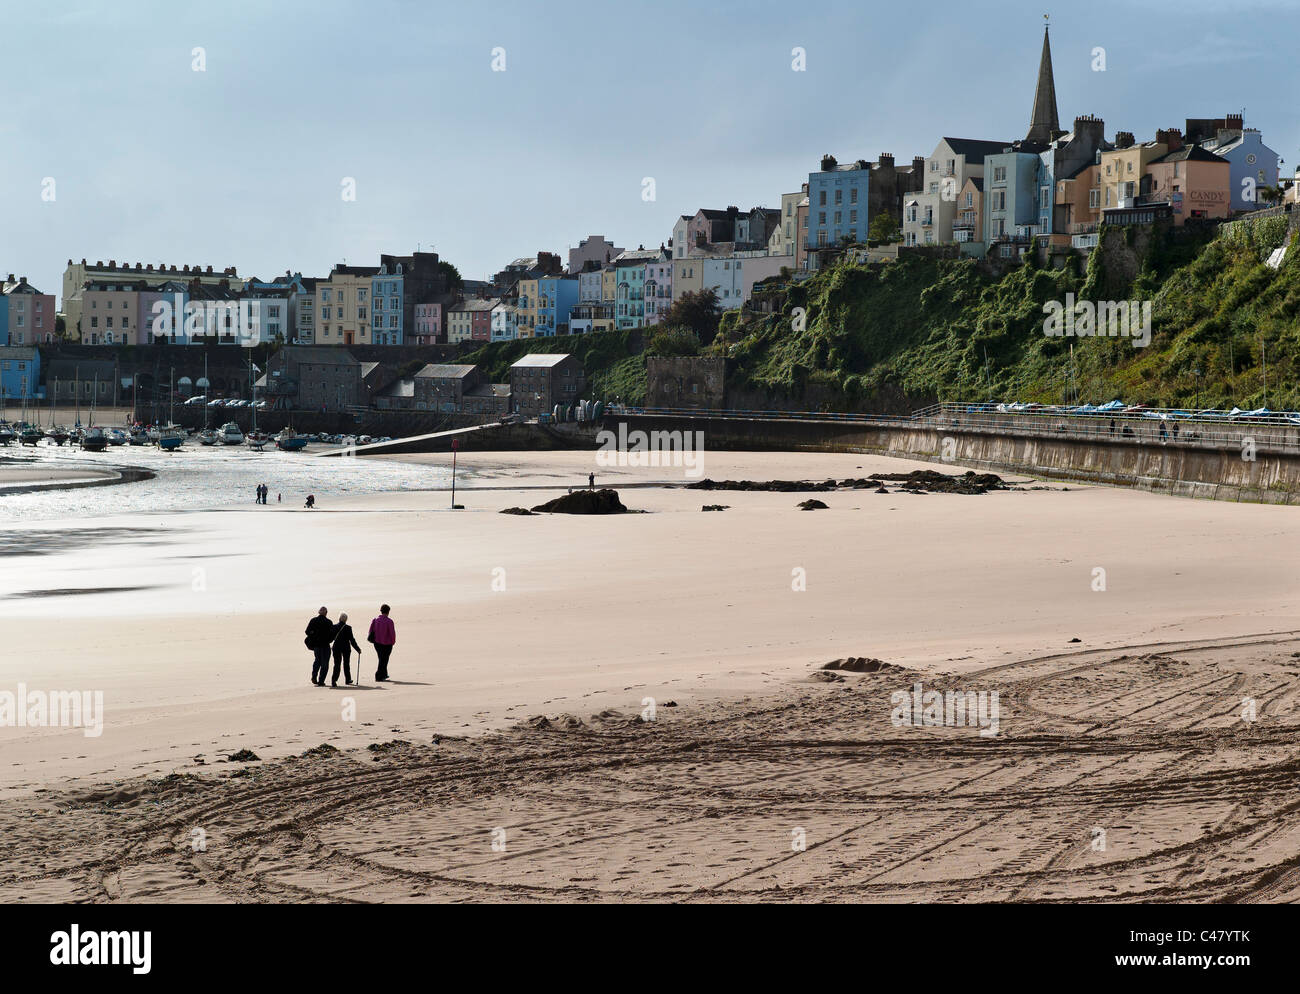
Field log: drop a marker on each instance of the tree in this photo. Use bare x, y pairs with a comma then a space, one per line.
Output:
454, 281
884, 229
697, 310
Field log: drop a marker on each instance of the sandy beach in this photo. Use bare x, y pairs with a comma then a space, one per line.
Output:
191, 626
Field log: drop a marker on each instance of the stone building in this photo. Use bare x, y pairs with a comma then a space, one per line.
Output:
313, 378
686, 382
540, 381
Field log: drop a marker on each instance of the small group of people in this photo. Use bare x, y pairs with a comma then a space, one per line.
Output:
326, 638
263, 493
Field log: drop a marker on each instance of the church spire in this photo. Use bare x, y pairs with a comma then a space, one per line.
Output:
1044, 121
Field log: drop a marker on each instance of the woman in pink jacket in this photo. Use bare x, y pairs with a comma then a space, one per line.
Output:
383, 635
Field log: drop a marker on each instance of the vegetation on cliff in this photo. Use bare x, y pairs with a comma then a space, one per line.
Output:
928, 328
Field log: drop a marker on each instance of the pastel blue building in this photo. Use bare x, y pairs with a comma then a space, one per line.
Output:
837, 203
20, 374
556, 297
4, 319
1014, 208
387, 307
1251, 164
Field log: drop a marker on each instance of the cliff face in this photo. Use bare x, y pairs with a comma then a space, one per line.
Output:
925, 328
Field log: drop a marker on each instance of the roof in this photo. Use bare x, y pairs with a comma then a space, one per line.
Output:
17, 352
975, 148
977, 182
1193, 153
343, 270
634, 256
475, 304
436, 371
543, 360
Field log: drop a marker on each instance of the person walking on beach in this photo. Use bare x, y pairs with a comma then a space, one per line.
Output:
344, 643
383, 635
320, 637
311, 501
591, 481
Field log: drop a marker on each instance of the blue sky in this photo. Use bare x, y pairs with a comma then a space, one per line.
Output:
242, 164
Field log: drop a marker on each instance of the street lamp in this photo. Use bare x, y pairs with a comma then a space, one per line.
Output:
1197, 374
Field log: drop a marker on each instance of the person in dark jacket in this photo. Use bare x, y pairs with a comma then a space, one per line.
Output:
344, 643
320, 637
383, 635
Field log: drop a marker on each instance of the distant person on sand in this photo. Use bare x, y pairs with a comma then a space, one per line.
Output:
311, 501
383, 635
344, 643
320, 637
591, 481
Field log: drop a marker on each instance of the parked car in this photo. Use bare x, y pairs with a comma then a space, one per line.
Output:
218, 402
195, 401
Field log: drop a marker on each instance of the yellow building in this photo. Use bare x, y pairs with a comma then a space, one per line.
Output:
526, 310
1123, 168
343, 306
688, 277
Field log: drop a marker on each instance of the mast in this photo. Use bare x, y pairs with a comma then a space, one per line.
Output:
171, 399
206, 388
76, 382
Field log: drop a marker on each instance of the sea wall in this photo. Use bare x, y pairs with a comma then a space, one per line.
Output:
1215, 471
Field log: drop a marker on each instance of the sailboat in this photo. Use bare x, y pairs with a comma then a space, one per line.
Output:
171, 437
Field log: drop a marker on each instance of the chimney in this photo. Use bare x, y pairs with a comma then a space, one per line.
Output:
828, 163
1174, 137
99, 263
1234, 122
209, 269
886, 158
1123, 139
112, 263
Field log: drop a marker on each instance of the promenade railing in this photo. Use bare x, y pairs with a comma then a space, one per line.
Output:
1199, 429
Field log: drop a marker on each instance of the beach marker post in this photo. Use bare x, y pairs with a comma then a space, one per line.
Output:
455, 445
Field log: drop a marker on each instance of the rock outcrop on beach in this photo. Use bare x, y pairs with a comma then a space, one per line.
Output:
919, 480
515, 510
860, 664
811, 505
584, 502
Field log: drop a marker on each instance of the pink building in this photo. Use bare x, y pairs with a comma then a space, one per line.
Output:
429, 328
31, 313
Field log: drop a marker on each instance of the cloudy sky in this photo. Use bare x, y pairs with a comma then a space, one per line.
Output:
244, 163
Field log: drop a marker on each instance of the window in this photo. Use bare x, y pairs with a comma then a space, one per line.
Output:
1094, 198
853, 195
999, 174
839, 196
969, 197
821, 201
